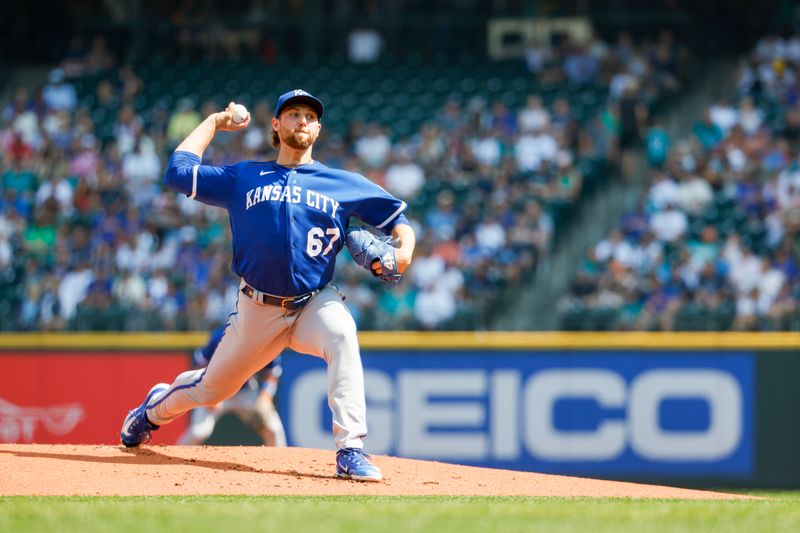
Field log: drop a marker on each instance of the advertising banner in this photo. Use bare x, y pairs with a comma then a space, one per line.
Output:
80, 397
604, 413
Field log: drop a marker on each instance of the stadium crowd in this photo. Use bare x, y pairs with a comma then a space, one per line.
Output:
714, 242
91, 240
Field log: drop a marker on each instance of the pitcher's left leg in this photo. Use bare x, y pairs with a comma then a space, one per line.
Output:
326, 329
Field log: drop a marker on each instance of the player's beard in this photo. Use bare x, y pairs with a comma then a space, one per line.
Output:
297, 140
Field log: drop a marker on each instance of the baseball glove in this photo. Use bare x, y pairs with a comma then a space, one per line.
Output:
369, 250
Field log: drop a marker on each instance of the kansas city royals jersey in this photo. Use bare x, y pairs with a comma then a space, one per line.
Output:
288, 224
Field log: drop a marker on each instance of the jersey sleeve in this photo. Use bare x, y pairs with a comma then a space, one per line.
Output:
380, 209
205, 183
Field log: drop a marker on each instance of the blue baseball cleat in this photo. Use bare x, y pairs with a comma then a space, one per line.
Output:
136, 428
353, 463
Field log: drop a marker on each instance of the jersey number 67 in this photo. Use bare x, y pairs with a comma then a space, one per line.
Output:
314, 243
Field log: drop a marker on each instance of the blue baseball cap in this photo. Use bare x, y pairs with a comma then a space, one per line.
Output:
299, 96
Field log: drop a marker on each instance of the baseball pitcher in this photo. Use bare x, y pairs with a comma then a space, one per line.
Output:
289, 219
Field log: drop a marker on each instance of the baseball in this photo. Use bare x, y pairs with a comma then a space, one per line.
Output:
239, 113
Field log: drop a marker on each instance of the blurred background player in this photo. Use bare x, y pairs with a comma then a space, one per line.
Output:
253, 404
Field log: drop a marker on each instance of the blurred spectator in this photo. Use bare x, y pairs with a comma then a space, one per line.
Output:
99, 311
396, 308
364, 45
431, 146
534, 116
707, 133
490, 236
632, 118
373, 147
658, 144
694, 194
132, 84
19, 178
40, 308
535, 148
57, 188
568, 181
502, 121
537, 56
404, 178
443, 218
73, 288
663, 190
669, 224
615, 247
20, 103
750, 118
723, 115
142, 171
451, 117
99, 57
581, 66
183, 121
486, 148
434, 305
59, 94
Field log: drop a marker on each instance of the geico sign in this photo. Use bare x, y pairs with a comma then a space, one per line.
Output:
430, 413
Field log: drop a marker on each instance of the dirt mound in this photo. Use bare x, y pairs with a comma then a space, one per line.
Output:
39, 469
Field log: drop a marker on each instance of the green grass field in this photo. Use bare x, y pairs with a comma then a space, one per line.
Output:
779, 512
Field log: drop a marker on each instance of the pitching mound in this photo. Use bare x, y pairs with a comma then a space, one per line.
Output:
38, 469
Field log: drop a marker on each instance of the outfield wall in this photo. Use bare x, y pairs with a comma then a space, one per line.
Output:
687, 408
